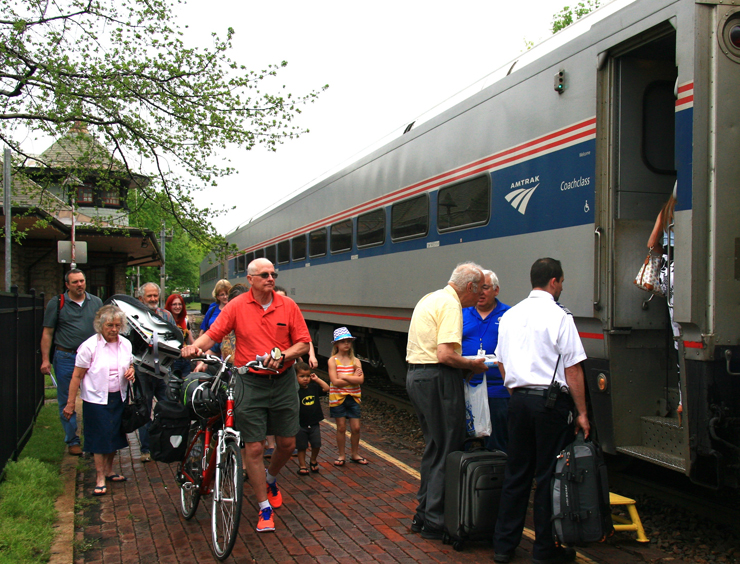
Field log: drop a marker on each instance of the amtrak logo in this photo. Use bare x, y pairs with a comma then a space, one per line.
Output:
520, 198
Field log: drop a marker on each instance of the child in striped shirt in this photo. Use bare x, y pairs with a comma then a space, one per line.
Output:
345, 377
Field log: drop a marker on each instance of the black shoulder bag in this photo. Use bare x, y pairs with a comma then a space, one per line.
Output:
135, 412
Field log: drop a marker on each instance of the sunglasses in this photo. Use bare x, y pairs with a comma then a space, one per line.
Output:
266, 275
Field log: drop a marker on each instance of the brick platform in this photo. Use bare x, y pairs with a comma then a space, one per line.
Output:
351, 514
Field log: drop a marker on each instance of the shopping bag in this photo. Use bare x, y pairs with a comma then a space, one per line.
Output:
477, 415
648, 278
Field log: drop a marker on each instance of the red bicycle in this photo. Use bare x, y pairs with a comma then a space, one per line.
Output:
213, 464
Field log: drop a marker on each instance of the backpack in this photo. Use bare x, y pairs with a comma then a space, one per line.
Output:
168, 433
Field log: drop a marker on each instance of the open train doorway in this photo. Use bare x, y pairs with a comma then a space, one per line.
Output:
637, 113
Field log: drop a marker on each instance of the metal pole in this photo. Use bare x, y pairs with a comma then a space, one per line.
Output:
74, 202
162, 273
8, 216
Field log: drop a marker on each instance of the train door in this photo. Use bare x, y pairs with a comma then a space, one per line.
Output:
636, 117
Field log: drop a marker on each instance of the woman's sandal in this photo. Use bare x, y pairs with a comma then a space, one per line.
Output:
115, 478
358, 461
100, 490
303, 471
339, 462
314, 467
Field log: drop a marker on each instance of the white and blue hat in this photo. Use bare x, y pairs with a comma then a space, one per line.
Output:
341, 334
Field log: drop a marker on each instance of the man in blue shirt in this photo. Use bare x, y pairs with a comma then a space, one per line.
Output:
480, 336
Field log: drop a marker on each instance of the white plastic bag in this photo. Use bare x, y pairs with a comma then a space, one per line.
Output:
477, 415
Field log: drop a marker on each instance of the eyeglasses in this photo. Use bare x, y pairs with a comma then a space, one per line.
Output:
266, 275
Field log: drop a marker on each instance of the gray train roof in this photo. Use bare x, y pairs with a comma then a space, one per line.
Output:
561, 45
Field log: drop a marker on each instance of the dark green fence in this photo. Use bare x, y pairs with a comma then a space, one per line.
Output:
21, 381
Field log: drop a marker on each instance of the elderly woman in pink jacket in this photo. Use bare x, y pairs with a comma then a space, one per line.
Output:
102, 369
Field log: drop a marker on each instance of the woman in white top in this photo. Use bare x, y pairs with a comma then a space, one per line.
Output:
102, 369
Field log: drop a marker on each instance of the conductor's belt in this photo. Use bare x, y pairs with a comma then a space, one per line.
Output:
540, 392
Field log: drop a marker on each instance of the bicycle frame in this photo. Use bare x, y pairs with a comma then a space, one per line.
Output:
211, 457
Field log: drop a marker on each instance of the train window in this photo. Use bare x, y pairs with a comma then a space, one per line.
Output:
241, 263
341, 236
299, 247
317, 241
283, 252
259, 253
410, 218
371, 228
270, 253
464, 205
250, 258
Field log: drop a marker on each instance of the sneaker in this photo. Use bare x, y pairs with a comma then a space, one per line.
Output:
146, 457
562, 556
75, 450
273, 495
432, 533
503, 557
265, 524
268, 452
417, 524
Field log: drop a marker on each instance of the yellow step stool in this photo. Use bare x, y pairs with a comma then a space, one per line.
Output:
631, 524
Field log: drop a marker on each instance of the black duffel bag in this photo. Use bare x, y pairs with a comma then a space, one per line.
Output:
168, 433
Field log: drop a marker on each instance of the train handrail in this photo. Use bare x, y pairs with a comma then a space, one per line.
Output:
597, 300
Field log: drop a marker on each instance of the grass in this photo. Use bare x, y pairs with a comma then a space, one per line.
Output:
29, 493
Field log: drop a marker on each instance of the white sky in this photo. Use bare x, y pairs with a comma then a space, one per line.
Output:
386, 63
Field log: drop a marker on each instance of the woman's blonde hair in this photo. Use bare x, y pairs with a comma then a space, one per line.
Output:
222, 285
666, 212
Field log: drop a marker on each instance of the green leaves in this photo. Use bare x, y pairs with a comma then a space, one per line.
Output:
567, 16
162, 108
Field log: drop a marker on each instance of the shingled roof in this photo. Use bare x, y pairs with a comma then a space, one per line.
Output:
77, 148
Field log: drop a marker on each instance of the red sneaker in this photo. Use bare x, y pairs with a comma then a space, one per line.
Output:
265, 524
273, 495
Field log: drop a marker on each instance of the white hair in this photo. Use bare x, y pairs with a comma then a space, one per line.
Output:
142, 289
494, 278
464, 273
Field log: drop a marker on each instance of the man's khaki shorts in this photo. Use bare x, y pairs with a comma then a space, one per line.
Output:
264, 406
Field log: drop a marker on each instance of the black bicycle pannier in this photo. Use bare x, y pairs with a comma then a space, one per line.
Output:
168, 434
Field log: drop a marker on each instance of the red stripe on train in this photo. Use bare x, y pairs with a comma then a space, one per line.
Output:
391, 317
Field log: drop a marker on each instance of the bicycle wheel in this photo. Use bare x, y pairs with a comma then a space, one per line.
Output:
227, 501
190, 491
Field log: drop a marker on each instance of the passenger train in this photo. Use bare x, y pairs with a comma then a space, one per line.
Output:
568, 152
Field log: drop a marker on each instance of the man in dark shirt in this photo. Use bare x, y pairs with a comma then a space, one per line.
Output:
153, 387
68, 321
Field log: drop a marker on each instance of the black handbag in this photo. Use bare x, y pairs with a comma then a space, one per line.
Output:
136, 411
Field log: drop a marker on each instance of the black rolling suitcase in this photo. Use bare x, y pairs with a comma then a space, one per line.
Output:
580, 494
473, 482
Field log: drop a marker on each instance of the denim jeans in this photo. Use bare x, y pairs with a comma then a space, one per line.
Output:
64, 365
153, 387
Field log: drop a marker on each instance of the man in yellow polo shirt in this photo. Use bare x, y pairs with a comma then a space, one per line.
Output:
435, 386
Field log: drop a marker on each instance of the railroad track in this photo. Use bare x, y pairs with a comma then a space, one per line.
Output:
677, 491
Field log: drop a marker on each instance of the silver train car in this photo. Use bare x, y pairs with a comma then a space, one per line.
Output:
569, 153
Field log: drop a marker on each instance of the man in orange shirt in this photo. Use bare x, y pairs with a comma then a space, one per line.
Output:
267, 402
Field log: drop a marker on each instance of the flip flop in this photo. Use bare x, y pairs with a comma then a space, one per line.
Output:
358, 461
100, 490
338, 462
115, 478
314, 467
303, 471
